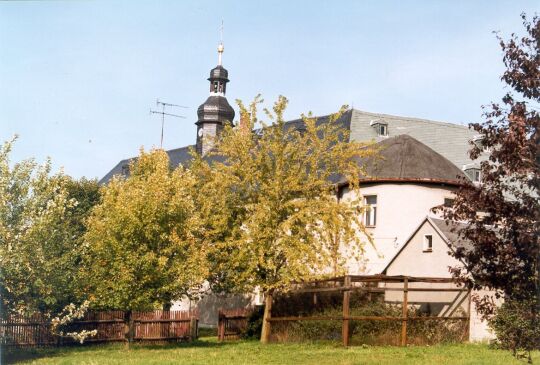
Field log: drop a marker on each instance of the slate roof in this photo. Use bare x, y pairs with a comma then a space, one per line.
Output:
448, 140
449, 232
403, 158
178, 156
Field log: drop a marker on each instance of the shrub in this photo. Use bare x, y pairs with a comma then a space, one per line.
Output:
254, 323
517, 327
372, 332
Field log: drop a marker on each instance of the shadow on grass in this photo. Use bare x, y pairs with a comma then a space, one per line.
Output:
14, 356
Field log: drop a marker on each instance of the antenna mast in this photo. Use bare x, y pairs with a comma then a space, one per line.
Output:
163, 114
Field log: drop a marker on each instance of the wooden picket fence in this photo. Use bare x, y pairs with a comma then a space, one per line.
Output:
34, 330
232, 323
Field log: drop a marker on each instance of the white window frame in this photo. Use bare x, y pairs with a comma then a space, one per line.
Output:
370, 211
380, 127
428, 243
472, 171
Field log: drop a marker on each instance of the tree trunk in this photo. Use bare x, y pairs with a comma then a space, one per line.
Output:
265, 333
129, 328
166, 326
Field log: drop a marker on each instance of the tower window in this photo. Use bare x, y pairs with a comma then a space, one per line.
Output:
216, 86
370, 212
428, 243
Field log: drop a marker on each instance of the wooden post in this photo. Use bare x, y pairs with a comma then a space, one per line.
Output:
265, 332
346, 311
193, 324
405, 312
469, 321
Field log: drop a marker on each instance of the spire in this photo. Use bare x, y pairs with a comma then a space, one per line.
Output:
220, 48
215, 112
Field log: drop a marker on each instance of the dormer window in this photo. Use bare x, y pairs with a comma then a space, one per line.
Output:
380, 126
473, 172
478, 141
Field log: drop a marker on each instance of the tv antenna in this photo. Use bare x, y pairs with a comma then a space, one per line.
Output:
163, 114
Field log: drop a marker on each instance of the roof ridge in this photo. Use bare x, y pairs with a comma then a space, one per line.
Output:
180, 148
320, 116
423, 120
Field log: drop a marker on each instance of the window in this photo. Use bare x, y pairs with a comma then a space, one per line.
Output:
478, 140
428, 243
473, 174
370, 213
382, 130
380, 126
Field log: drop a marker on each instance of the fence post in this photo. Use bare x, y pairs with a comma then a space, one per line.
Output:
469, 321
265, 333
193, 324
346, 311
405, 312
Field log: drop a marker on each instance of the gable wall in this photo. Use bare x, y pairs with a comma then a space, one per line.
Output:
412, 261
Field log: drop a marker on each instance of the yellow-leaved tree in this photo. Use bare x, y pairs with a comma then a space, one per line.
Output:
142, 249
268, 197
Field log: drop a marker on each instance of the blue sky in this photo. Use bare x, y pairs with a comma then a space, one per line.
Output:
77, 79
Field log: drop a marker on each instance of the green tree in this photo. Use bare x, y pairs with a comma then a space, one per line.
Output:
141, 245
274, 218
39, 247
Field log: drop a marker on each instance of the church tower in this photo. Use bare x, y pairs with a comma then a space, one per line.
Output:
215, 112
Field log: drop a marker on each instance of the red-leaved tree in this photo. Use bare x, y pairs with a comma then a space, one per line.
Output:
503, 211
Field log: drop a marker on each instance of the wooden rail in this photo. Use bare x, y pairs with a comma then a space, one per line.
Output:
346, 285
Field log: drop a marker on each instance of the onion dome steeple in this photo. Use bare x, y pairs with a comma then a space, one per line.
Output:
215, 112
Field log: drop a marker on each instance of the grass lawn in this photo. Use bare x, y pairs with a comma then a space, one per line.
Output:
208, 351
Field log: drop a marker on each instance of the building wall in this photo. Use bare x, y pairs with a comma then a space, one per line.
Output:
400, 208
210, 303
434, 264
412, 261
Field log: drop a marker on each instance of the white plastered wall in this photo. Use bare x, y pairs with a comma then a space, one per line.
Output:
400, 208
413, 261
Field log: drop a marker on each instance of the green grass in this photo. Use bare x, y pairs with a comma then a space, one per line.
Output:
207, 351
